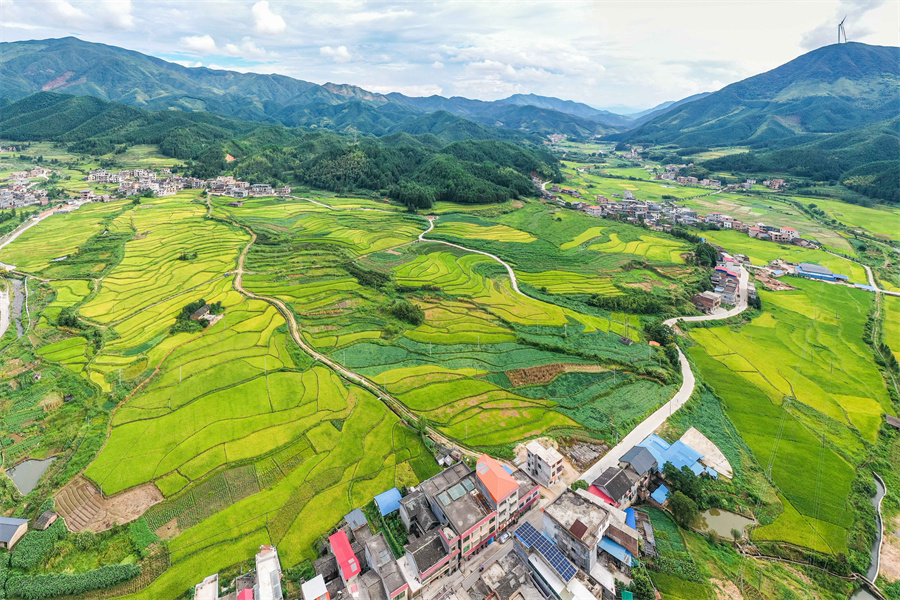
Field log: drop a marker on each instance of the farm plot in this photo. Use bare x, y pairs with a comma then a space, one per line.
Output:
654, 248
175, 250
56, 236
68, 293
497, 233
802, 371
374, 452
883, 221
891, 322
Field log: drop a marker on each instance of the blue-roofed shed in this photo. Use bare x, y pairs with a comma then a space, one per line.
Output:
661, 494
630, 519
389, 501
616, 551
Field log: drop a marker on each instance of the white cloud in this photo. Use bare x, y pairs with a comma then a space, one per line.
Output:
437, 65
265, 21
246, 49
203, 44
118, 14
188, 63
338, 55
407, 90
854, 11
66, 11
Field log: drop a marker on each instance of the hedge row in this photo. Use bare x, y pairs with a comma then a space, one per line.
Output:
37, 587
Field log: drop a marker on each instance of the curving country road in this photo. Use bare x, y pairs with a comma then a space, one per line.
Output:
611, 458
655, 420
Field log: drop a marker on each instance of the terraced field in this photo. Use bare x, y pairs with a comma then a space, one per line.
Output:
891, 306
800, 386
654, 248
497, 233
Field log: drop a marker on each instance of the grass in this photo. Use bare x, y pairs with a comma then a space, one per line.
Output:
880, 220
891, 305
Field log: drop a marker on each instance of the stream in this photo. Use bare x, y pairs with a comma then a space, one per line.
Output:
11, 308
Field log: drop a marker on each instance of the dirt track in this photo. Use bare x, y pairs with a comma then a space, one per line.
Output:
85, 509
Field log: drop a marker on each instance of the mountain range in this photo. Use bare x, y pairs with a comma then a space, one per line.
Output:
829, 90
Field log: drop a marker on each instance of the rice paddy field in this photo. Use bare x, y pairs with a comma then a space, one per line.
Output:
800, 386
591, 183
891, 305
476, 329
879, 220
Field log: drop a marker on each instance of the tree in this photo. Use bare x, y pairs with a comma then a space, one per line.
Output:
581, 484
706, 254
737, 534
684, 510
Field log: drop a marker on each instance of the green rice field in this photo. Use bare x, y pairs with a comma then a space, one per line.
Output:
799, 384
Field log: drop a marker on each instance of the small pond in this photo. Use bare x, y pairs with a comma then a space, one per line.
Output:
27, 473
722, 522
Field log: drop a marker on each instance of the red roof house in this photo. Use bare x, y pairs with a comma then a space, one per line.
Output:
343, 553
246, 594
495, 479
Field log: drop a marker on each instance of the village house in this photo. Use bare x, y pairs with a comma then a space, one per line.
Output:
544, 465
11, 530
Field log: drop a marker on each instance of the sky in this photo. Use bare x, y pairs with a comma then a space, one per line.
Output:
622, 55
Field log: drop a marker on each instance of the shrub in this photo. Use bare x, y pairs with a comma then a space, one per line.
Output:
683, 509
141, 535
34, 545
36, 587
407, 311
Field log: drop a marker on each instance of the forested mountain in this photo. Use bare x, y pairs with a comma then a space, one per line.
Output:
569, 107
82, 68
417, 167
866, 160
638, 119
829, 90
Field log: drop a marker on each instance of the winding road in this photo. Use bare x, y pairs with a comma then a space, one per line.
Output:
611, 458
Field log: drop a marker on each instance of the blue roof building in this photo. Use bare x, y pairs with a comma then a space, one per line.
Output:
389, 501
660, 495
679, 454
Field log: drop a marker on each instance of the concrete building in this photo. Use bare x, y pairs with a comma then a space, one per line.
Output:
348, 564
314, 589
379, 557
545, 465
268, 574
208, 589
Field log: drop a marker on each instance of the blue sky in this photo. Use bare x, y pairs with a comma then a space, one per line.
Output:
635, 53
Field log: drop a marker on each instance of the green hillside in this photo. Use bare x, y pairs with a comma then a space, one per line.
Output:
865, 160
82, 68
829, 90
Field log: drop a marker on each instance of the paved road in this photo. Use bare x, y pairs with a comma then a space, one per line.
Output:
652, 423
509, 269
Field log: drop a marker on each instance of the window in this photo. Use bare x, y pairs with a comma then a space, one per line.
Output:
491, 530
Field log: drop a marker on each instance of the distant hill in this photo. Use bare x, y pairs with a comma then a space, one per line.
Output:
568, 107
829, 90
865, 160
642, 117
73, 66
440, 157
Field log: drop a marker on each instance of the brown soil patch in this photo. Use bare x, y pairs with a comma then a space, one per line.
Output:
726, 590
546, 373
85, 509
229, 158
517, 204
169, 530
50, 401
890, 551
772, 284
644, 285
57, 82
394, 252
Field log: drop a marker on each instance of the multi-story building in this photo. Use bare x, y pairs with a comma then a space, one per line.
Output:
545, 465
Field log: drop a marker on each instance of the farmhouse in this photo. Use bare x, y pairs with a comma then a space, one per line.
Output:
707, 301
544, 464
11, 530
314, 589
616, 487
208, 589
200, 312
379, 557
348, 564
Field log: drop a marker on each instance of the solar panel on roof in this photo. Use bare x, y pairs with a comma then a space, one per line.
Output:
444, 498
467, 483
532, 538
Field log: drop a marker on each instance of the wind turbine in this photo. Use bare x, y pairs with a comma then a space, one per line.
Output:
842, 31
